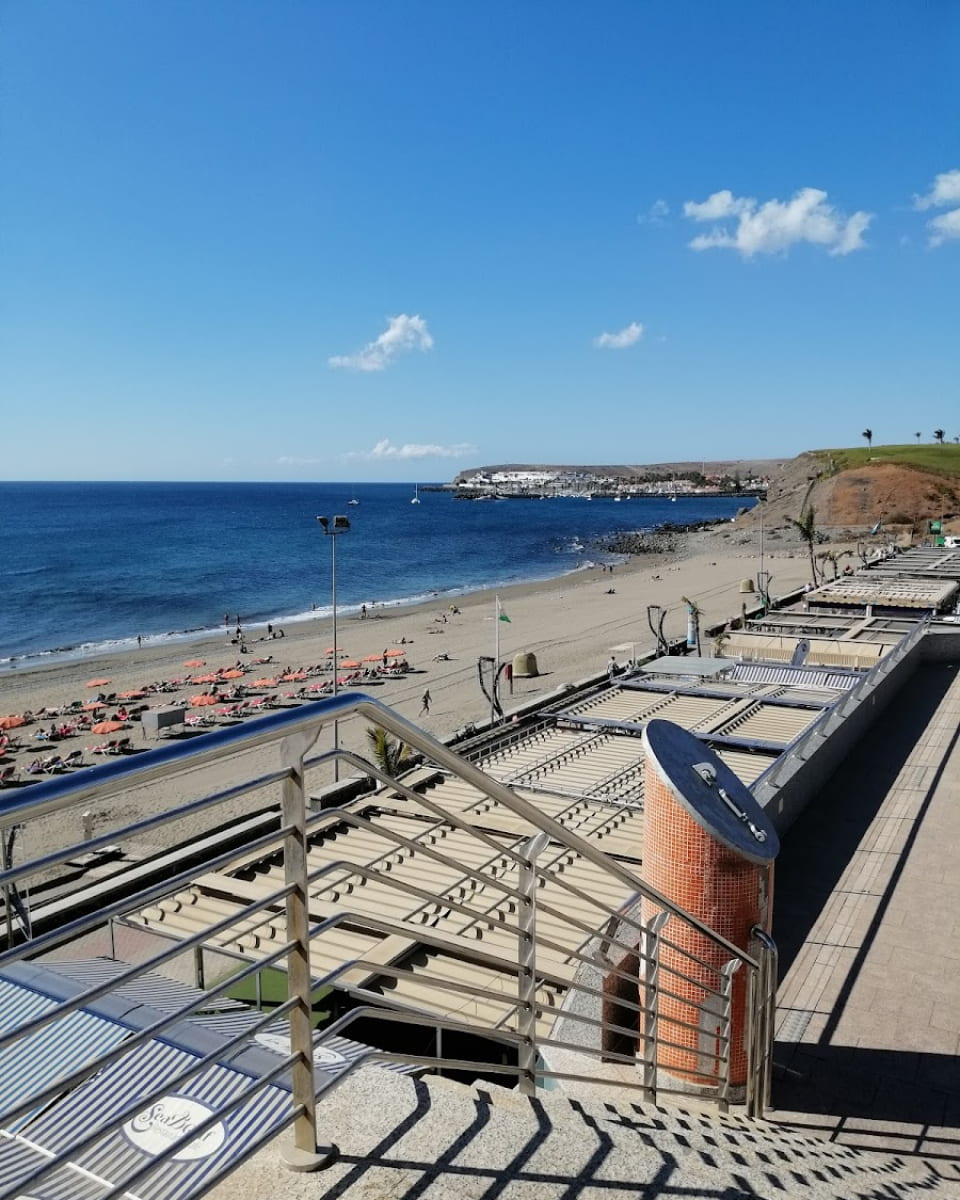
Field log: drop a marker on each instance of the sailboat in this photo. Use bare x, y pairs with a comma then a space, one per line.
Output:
353, 501
416, 497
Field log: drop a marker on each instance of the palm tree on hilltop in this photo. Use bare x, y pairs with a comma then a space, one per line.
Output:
938, 436
807, 528
868, 434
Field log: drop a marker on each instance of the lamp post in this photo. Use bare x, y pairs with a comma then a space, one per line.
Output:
340, 525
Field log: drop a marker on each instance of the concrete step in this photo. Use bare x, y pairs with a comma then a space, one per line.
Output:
435, 1139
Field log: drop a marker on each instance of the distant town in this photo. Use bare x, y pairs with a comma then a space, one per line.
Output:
542, 483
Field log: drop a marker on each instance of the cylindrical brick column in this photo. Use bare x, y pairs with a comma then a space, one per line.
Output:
708, 847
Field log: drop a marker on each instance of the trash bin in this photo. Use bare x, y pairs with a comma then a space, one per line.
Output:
525, 665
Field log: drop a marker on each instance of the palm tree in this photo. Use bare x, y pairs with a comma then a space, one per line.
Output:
807, 528
917, 435
695, 612
868, 434
720, 642
392, 756
938, 436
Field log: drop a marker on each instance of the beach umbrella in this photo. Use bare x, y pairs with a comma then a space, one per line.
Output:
202, 699
294, 677
91, 706
330, 650
351, 662
372, 657
264, 683
233, 673
211, 677
107, 727
396, 652
97, 682
135, 694
195, 662
12, 722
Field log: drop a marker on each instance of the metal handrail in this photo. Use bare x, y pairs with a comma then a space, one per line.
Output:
295, 731
767, 783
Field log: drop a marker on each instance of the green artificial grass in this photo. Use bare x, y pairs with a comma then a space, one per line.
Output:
921, 456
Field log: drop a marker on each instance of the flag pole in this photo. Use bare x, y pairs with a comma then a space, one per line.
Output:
496, 661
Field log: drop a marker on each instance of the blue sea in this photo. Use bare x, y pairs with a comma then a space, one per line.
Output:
87, 567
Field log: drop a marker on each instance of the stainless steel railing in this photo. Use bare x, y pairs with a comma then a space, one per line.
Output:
543, 933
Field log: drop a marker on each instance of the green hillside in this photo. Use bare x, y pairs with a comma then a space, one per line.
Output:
923, 456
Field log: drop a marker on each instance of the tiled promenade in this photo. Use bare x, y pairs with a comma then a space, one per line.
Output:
868, 921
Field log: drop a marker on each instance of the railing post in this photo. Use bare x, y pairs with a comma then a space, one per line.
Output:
762, 1003
726, 1031
650, 974
304, 1154
527, 963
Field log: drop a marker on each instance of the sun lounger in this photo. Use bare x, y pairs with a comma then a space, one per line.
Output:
9, 775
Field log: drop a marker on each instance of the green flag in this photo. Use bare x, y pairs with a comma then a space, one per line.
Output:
501, 614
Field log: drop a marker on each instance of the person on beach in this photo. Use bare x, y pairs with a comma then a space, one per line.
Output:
363, 612
139, 641
425, 704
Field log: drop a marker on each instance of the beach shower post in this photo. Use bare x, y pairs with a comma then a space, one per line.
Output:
340, 525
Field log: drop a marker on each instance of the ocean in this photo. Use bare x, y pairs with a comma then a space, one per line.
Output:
89, 567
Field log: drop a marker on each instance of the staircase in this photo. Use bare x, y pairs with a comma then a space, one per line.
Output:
435, 1139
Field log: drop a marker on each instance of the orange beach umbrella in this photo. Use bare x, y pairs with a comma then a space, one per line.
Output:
264, 683
107, 727
195, 662
396, 653
233, 673
203, 698
372, 657
97, 682
12, 722
211, 677
134, 694
91, 706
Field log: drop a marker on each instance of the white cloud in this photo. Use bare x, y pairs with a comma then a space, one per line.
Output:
403, 333
385, 449
944, 228
620, 341
776, 225
656, 214
716, 207
945, 192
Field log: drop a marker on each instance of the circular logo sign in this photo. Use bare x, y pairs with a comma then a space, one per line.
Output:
279, 1043
156, 1129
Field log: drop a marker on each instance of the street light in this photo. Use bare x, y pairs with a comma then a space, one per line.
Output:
340, 525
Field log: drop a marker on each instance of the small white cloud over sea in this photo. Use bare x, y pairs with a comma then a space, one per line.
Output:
386, 450
628, 336
402, 334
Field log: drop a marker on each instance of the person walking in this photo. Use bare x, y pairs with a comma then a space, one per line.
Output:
425, 703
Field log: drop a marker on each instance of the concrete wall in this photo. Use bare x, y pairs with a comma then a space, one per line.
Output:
803, 771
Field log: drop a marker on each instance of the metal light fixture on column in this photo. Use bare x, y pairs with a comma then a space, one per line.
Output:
340, 525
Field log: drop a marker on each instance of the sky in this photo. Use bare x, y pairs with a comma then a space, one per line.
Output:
296, 239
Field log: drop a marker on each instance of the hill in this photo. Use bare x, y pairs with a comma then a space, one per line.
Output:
851, 489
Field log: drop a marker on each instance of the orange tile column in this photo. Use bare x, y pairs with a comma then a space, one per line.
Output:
694, 856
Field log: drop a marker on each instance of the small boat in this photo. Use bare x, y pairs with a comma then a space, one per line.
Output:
353, 501
416, 495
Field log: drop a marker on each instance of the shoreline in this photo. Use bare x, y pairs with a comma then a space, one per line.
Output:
573, 624
109, 648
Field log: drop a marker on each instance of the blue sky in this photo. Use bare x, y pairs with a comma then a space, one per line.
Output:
293, 241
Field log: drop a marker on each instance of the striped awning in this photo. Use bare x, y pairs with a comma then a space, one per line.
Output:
162, 1124
39, 1059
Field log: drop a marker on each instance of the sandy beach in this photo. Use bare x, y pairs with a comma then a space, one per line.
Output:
572, 624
